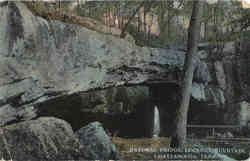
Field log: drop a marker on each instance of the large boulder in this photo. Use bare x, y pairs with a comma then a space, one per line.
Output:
42, 139
49, 138
96, 143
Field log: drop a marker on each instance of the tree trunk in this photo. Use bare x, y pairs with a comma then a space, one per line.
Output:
180, 122
150, 28
139, 22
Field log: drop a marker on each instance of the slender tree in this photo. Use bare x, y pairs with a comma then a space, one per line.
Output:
180, 122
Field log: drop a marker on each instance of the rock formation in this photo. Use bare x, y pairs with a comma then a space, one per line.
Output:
51, 68
49, 138
96, 143
42, 60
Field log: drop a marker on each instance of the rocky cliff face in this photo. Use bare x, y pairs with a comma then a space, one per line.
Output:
42, 60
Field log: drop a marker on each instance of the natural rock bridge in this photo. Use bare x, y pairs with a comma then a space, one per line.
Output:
41, 60
47, 68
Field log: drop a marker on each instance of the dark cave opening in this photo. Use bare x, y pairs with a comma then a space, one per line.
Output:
134, 119
122, 125
165, 96
75, 110
200, 114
